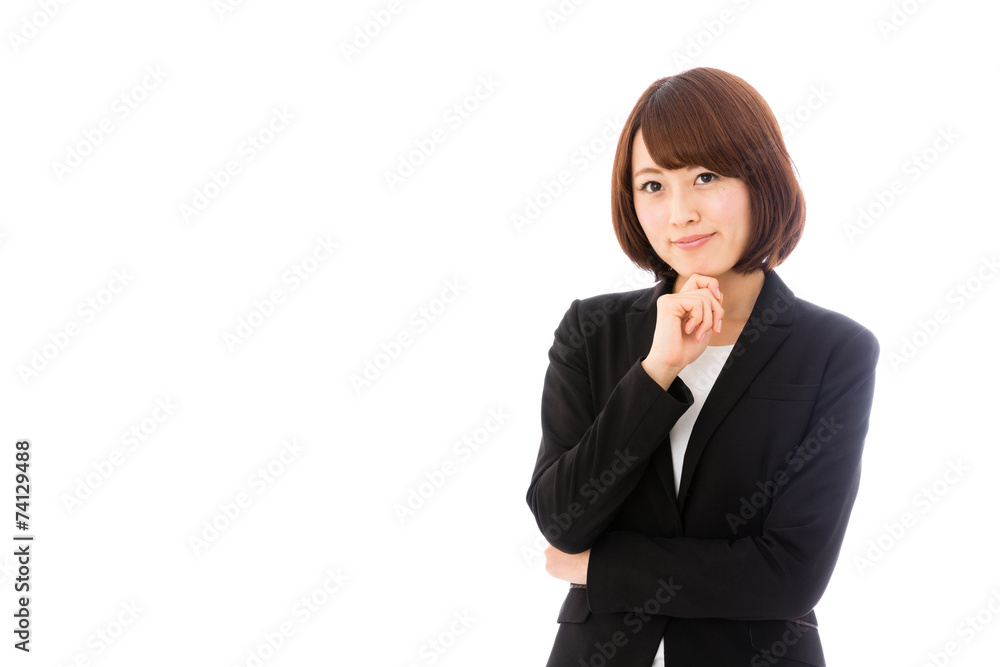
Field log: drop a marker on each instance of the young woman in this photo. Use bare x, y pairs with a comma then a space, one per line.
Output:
702, 438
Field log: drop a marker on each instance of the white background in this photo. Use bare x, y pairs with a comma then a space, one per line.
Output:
861, 89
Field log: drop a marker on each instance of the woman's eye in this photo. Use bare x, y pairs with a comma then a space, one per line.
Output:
650, 183
710, 175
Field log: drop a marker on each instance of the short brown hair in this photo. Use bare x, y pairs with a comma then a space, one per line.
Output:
708, 117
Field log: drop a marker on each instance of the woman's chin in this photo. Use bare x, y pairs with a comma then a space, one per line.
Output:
689, 269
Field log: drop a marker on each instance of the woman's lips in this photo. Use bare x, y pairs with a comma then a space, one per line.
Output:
694, 242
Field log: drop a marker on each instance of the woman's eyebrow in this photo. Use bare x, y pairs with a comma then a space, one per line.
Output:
654, 170
657, 170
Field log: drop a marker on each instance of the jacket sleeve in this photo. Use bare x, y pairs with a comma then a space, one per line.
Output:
589, 460
782, 572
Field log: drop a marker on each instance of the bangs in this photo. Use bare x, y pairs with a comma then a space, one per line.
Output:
681, 129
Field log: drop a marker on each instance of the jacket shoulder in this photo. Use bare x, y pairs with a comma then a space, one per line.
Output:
831, 325
596, 325
613, 301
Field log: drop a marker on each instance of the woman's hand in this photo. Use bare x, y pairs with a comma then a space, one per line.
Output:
685, 322
568, 567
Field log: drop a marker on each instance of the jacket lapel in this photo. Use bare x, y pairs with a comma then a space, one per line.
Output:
768, 325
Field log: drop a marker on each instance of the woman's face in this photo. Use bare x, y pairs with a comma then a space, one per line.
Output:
696, 220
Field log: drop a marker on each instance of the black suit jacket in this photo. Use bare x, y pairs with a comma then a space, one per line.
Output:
728, 570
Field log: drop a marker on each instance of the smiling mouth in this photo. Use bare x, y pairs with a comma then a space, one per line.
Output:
690, 242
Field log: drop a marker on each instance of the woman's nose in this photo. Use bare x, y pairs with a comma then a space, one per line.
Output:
682, 209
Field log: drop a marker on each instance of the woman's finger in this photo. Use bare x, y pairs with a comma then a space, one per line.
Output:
708, 320
692, 309
698, 281
696, 311
717, 313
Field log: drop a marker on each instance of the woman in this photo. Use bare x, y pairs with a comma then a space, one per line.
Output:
702, 438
